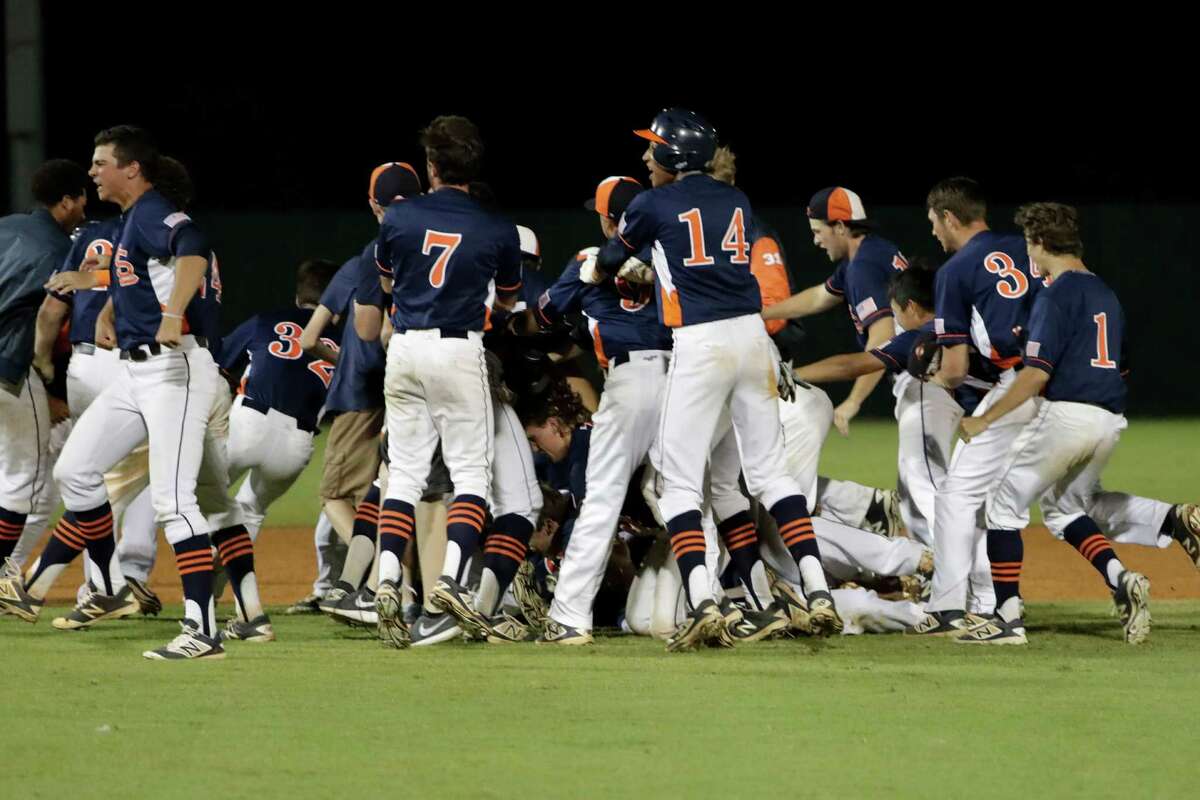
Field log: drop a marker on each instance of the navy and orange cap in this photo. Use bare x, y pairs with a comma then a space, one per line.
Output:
837, 204
392, 180
613, 196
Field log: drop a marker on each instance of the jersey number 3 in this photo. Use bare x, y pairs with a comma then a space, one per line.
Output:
447, 243
1001, 263
734, 241
288, 348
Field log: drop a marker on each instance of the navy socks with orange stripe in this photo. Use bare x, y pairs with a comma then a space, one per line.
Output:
396, 526
236, 552
503, 553
75, 531
741, 540
1084, 535
193, 557
796, 529
11, 525
1006, 551
361, 551
464, 528
687, 543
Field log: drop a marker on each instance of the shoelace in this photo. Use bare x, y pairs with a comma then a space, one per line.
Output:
11, 568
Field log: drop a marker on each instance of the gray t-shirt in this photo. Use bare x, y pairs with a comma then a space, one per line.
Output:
32, 246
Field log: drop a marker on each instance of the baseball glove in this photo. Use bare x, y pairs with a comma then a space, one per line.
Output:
925, 358
635, 270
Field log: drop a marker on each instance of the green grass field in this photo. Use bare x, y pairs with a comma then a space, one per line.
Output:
327, 712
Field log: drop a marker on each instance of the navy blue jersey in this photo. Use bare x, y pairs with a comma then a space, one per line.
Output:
275, 372
618, 325
92, 239
569, 476
696, 231
982, 374
370, 291
153, 235
533, 284
863, 281
357, 383
1077, 335
983, 294
448, 259
894, 352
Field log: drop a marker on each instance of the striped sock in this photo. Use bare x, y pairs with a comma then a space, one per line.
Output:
796, 530
396, 525
236, 552
1084, 535
11, 525
741, 540
193, 557
464, 527
64, 544
503, 552
1006, 551
687, 543
361, 552
96, 526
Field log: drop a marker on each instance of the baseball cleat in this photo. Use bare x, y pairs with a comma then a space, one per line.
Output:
190, 644
795, 606
449, 595
557, 633
391, 627
534, 607
1132, 598
306, 605
16, 601
329, 603
256, 630
97, 607
731, 611
1187, 529
433, 628
756, 625
702, 625
147, 600
505, 628
356, 608
822, 614
940, 623
996, 631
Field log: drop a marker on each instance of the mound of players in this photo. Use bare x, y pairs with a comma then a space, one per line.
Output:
476, 484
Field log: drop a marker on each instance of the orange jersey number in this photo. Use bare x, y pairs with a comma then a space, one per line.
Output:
447, 243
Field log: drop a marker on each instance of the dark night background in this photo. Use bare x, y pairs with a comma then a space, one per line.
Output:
281, 122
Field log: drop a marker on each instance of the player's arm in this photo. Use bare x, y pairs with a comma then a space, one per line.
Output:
878, 334
49, 322
106, 327
952, 323
844, 367
310, 337
953, 370
189, 272
368, 321
813, 300
1029, 383
768, 268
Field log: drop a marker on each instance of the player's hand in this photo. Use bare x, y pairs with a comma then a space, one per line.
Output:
106, 333
589, 272
58, 410
842, 415
70, 281
971, 427
45, 369
635, 270
170, 332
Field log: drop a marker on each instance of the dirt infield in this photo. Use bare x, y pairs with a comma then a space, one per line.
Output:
1053, 570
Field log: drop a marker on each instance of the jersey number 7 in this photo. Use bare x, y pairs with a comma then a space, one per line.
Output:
447, 243
734, 241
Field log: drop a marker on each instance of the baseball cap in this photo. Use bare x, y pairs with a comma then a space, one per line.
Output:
837, 204
529, 243
613, 196
391, 180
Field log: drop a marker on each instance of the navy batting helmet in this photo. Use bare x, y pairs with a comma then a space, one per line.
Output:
683, 140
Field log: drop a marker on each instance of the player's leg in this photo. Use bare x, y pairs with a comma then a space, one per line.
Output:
45, 501
1129, 519
927, 418
24, 436
351, 464
864, 611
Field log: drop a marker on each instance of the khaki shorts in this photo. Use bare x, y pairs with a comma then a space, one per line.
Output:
351, 455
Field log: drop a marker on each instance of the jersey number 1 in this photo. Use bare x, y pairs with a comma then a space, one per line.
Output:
1102, 360
447, 243
734, 241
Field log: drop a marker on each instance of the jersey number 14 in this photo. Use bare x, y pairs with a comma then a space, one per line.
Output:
734, 241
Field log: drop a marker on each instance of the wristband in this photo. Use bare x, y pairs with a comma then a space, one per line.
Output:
169, 315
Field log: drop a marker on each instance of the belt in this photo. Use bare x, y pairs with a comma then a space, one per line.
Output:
263, 408
624, 358
85, 348
443, 332
145, 351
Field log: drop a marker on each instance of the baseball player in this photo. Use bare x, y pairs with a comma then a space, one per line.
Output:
696, 228
445, 261
32, 246
163, 393
1074, 358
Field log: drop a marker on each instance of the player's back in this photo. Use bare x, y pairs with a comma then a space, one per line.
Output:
984, 293
447, 257
697, 231
1080, 330
91, 240
357, 383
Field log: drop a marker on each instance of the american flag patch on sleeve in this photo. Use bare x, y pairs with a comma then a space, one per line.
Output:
939, 326
176, 219
1032, 349
866, 308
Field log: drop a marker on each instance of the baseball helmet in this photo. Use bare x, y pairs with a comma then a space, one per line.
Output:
683, 140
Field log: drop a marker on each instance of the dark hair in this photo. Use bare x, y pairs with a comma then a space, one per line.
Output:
1054, 226
131, 143
173, 180
914, 283
555, 505
857, 230
558, 400
452, 144
56, 179
482, 193
962, 197
312, 276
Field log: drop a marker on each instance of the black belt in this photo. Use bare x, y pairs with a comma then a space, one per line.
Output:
144, 351
86, 348
623, 358
263, 408
445, 334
